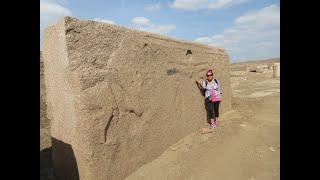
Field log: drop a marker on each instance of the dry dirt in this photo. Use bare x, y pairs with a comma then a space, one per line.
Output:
245, 146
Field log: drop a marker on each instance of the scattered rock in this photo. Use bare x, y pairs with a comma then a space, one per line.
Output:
271, 149
174, 148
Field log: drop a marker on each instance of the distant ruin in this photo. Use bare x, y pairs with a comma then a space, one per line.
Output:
276, 70
118, 97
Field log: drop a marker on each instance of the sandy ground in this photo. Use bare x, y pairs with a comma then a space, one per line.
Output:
246, 145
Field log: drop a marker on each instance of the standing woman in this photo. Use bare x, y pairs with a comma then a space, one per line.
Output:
212, 94
216, 98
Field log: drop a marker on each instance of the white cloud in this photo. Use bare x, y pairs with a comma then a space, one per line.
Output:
270, 16
104, 21
204, 4
153, 7
50, 12
140, 21
63, 2
144, 24
255, 35
159, 29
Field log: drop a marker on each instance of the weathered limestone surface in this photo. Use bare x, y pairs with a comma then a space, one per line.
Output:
119, 97
44, 121
45, 139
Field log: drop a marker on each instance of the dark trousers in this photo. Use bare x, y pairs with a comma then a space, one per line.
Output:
212, 109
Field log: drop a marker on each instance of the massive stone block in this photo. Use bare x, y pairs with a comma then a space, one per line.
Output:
119, 97
44, 121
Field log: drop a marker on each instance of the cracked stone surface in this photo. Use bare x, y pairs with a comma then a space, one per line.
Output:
118, 98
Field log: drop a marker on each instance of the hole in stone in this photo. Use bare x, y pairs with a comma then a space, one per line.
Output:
188, 52
145, 44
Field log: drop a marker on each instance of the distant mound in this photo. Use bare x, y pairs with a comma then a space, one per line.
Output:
244, 64
263, 61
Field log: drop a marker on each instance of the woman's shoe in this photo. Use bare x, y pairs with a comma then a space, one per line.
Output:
216, 123
212, 126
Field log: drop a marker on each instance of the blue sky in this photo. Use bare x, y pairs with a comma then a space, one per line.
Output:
247, 29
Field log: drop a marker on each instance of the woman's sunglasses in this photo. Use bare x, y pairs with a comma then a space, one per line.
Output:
209, 75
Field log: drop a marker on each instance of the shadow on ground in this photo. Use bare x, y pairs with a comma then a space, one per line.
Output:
64, 159
46, 168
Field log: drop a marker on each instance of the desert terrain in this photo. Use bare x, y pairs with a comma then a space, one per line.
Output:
246, 145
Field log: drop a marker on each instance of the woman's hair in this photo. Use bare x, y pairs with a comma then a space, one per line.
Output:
210, 71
